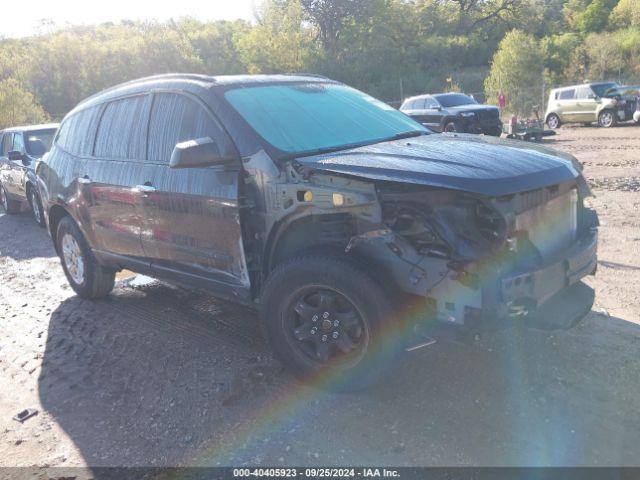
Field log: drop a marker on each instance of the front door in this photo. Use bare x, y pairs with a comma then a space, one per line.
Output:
586, 105
5, 164
190, 217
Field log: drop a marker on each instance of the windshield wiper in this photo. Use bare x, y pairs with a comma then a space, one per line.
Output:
349, 146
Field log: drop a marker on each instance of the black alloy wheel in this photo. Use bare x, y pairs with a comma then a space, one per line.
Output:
325, 326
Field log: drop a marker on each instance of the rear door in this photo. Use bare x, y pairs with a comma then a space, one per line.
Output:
17, 185
190, 217
566, 105
110, 176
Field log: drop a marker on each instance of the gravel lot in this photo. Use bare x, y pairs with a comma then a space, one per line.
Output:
155, 375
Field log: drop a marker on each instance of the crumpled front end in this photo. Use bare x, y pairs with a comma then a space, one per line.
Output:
475, 259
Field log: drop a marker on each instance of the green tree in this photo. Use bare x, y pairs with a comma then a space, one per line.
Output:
17, 106
280, 42
625, 14
516, 70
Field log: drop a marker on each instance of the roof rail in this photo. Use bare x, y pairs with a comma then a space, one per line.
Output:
303, 74
186, 76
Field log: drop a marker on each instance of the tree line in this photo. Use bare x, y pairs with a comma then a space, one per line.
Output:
388, 48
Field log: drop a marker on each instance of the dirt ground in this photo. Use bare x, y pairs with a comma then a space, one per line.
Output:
156, 375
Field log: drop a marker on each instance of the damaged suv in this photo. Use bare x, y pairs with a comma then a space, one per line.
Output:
348, 225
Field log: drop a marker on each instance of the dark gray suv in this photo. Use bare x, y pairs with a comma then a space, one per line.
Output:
453, 112
20, 150
349, 226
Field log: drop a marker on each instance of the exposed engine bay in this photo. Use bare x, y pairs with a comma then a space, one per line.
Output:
456, 248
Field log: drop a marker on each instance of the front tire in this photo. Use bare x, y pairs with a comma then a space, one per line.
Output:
553, 121
326, 320
85, 275
36, 207
12, 207
607, 119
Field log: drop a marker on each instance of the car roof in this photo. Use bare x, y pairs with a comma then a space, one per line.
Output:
591, 84
424, 95
28, 128
192, 82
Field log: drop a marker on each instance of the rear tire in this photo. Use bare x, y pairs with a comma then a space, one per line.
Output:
12, 207
553, 121
451, 127
607, 119
327, 320
85, 275
36, 207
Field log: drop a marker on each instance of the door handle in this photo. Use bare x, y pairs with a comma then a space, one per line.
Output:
144, 188
84, 180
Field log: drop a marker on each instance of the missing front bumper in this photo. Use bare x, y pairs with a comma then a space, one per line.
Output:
522, 294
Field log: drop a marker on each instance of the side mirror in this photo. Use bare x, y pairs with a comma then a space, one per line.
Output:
15, 155
201, 152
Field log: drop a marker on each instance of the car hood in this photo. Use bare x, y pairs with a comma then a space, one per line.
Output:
472, 107
472, 163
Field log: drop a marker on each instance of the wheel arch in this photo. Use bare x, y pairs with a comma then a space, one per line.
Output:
290, 236
451, 119
56, 214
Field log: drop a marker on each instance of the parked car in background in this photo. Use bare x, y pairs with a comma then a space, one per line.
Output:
320, 206
588, 103
453, 112
20, 149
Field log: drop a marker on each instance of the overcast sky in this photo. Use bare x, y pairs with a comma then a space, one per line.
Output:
23, 19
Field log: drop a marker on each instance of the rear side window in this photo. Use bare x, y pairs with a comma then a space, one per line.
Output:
122, 133
76, 132
408, 105
177, 118
567, 94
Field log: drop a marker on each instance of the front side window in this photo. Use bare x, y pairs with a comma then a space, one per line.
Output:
584, 93
455, 100
303, 118
177, 118
122, 133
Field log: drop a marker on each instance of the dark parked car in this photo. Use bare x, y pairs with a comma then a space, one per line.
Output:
453, 112
329, 211
20, 149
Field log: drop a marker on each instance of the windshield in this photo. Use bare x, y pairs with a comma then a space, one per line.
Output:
601, 88
38, 142
312, 117
626, 92
454, 100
